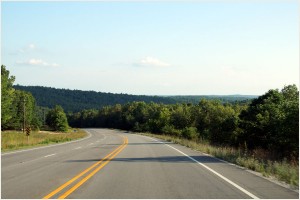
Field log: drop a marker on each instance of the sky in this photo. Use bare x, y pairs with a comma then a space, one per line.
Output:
153, 48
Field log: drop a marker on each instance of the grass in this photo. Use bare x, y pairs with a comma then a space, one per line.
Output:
15, 140
286, 171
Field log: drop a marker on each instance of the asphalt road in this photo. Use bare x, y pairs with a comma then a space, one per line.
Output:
115, 164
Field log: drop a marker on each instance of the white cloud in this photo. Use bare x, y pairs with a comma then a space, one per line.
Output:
29, 47
37, 62
150, 61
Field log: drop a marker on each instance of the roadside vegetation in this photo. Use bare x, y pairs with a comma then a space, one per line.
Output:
15, 140
19, 112
18, 108
270, 122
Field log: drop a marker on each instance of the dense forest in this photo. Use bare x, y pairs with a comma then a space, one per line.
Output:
270, 122
233, 99
77, 100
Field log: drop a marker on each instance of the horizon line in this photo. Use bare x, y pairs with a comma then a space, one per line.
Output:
162, 95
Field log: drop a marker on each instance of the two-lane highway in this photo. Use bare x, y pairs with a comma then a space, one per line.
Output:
115, 164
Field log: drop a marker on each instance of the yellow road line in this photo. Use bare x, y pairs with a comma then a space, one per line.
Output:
92, 173
83, 172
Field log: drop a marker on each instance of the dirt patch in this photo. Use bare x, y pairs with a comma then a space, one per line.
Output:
50, 132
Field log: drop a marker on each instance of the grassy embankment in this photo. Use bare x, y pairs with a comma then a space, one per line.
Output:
14, 140
286, 171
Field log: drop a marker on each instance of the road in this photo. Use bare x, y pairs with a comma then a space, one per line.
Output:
116, 164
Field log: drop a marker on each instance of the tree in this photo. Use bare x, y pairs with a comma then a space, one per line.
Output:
181, 116
216, 122
288, 130
12, 105
16, 122
190, 133
272, 122
7, 93
260, 119
57, 119
159, 117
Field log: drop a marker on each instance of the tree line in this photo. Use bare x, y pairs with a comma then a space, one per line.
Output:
270, 122
19, 107
77, 100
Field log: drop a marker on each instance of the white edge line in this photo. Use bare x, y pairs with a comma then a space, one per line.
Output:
50, 155
211, 170
216, 173
4, 154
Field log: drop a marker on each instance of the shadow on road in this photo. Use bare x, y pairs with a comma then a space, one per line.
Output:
171, 159
146, 143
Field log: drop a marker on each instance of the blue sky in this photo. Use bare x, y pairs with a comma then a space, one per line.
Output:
158, 48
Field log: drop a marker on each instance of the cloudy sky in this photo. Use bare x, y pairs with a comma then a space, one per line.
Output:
158, 48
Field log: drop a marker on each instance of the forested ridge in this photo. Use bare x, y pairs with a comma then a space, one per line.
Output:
233, 99
77, 100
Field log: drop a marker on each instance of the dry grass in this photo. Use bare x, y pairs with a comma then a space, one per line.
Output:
14, 140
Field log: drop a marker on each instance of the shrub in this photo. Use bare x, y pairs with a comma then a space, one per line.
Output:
190, 133
57, 119
171, 130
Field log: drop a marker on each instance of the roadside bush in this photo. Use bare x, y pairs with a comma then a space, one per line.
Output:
190, 133
171, 130
57, 119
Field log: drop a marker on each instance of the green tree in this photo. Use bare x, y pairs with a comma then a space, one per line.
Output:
272, 121
259, 120
31, 118
190, 133
216, 122
159, 118
287, 133
57, 119
7, 93
181, 116
12, 105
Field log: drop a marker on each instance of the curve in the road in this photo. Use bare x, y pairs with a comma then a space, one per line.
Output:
147, 168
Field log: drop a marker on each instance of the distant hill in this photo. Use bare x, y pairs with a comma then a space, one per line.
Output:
77, 100
223, 98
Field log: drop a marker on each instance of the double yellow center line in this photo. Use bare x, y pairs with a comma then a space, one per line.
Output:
99, 165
